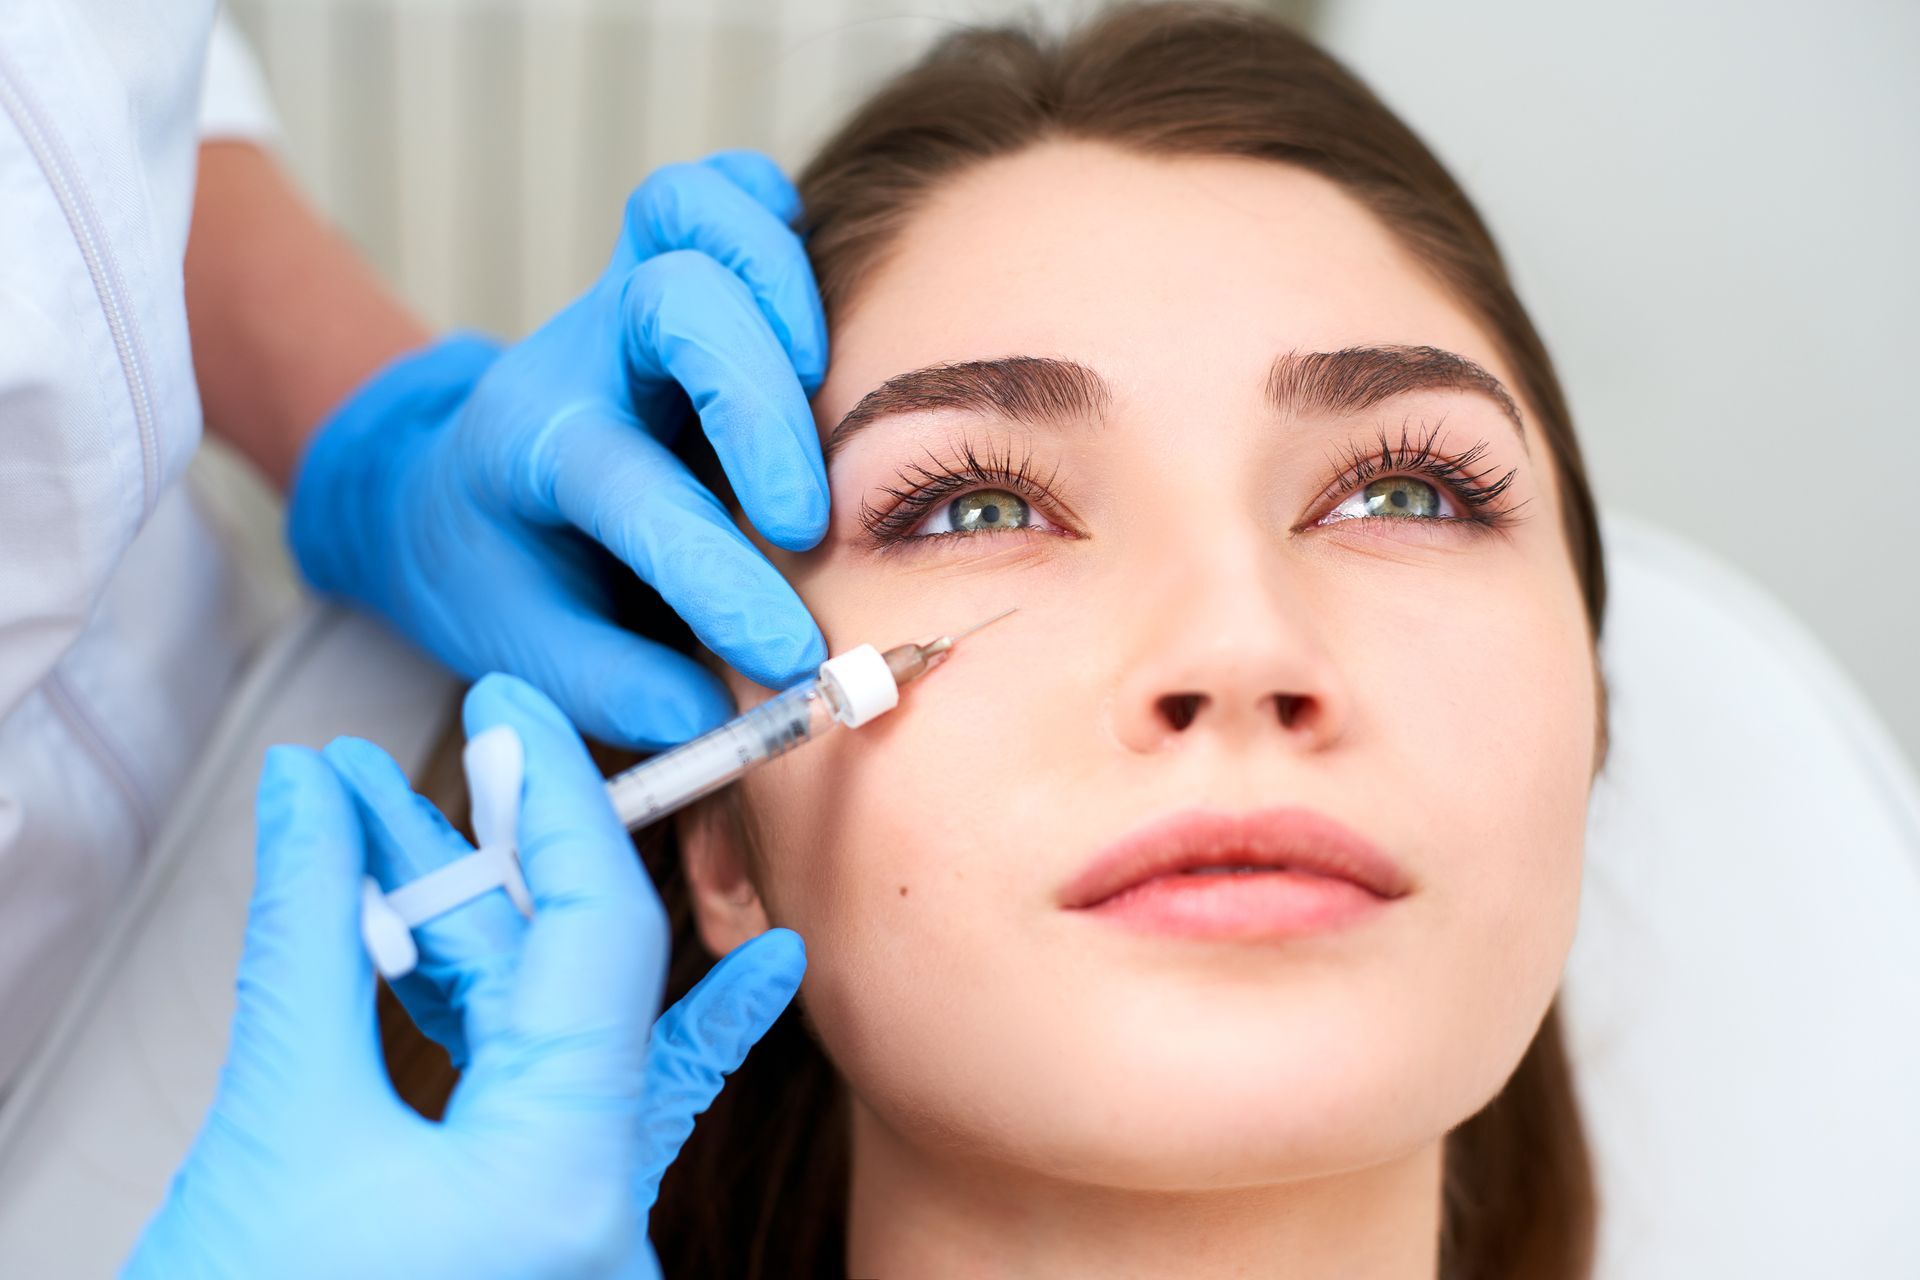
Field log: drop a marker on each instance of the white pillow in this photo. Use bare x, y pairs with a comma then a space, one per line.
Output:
1743, 998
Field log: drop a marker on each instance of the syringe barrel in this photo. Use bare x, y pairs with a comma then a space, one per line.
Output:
673, 779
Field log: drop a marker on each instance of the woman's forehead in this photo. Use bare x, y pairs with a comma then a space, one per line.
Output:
1167, 275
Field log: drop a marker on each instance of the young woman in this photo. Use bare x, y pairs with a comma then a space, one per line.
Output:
1205, 916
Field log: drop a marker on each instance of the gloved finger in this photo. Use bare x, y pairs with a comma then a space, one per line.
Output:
684, 316
756, 174
468, 955
705, 1037
700, 207
303, 1025
623, 688
594, 962
629, 493
616, 686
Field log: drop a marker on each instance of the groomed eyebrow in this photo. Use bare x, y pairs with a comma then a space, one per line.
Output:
1357, 378
1030, 389
1039, 391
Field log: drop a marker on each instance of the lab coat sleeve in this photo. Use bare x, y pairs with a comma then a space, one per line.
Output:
234, 102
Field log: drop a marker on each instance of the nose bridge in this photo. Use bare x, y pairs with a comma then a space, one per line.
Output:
1225, 644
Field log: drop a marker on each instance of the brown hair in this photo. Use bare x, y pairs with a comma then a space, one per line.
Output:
760, 1188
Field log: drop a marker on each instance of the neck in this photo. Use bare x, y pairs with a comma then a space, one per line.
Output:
920, 1213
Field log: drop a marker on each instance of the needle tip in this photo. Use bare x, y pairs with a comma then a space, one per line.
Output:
934, 648
989, 622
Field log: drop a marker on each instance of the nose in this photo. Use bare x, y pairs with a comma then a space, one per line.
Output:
1230, 654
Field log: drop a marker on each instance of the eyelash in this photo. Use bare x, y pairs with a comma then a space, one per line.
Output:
922, 487
1477, 489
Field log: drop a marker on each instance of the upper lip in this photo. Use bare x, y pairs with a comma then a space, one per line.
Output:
1294, 839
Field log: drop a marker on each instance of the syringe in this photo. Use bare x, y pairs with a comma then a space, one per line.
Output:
850, 689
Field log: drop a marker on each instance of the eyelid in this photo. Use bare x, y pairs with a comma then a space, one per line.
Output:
1476, 493
921, 487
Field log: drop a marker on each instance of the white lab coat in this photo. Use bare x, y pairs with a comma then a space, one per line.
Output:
117, 635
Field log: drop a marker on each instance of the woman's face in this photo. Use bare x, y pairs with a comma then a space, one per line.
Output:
1216, 619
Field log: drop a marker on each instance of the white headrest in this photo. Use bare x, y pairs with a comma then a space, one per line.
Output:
1744, 995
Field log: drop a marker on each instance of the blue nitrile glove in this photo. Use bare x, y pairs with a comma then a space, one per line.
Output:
450, 494
552, 1147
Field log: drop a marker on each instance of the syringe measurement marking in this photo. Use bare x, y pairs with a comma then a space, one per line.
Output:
742, 755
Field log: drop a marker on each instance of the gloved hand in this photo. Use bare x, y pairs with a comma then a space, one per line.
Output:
450, 494
553, 1144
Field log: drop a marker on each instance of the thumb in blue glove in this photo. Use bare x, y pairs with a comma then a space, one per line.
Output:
573, 1101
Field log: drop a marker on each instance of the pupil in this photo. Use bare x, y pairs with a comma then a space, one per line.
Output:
1399, 498
990, 514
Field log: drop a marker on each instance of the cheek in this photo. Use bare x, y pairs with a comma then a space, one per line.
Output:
866, 837
1477, 708
896, 806
903, 854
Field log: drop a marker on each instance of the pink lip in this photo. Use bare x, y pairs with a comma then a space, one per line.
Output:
1315, 874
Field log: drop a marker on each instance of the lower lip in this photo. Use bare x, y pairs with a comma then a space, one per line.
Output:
1246, 905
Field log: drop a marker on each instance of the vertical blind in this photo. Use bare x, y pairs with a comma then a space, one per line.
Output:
480, 151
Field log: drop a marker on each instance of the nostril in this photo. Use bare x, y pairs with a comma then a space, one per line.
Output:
1179, 709
1291, 707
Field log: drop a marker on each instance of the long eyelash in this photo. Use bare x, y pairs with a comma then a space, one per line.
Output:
1475, 485
921, 487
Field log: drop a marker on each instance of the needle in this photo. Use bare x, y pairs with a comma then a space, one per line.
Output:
981, 626
909, 662
945, 643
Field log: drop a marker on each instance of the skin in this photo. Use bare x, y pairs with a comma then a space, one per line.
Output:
1043, 1093
287, 318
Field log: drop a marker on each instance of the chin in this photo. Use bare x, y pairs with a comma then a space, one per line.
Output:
1193, 1144
1206, 1107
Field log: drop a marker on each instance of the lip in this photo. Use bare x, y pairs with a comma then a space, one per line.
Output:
1316, 874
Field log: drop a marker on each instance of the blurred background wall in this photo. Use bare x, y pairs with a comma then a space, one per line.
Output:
1710, 208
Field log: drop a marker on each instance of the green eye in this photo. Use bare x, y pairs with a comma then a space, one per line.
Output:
985, 509
1401, 496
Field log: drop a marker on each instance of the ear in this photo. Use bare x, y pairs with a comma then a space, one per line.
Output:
727, 908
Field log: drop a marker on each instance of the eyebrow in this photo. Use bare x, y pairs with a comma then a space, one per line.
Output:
1040, 390
1030, 389
1357, 378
